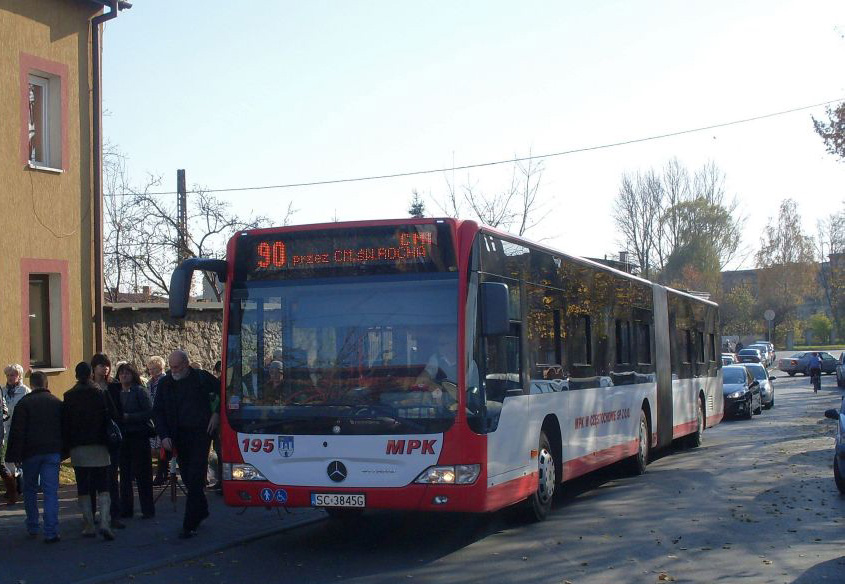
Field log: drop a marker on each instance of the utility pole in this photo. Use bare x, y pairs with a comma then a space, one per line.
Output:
182, 214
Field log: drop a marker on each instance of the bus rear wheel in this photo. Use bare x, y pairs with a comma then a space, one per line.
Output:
540, 502
694, 440
638, 462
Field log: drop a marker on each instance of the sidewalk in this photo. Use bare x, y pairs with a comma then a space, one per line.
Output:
143, 546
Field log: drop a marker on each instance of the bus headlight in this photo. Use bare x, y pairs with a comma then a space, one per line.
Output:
241, 472
460, 474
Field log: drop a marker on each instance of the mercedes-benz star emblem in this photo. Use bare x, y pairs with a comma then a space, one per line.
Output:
336, 471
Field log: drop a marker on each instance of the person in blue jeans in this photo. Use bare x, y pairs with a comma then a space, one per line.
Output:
35, 441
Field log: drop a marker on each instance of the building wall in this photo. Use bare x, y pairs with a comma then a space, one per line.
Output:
47, 219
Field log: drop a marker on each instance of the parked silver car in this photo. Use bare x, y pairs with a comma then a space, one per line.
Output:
767, 388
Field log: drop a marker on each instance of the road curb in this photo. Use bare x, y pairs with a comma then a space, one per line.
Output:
197, 551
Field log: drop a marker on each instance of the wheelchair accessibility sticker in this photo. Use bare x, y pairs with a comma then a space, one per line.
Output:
269, 496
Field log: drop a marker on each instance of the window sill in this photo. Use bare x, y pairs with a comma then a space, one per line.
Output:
50, 369
33, 166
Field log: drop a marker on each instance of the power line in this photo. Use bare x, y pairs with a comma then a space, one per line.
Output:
496, 162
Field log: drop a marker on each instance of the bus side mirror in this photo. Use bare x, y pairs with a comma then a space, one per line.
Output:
180, 281
494, 309
832, 413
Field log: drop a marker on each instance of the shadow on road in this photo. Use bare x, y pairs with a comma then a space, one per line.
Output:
829, 571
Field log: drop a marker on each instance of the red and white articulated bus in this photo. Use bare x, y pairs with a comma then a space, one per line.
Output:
436, 364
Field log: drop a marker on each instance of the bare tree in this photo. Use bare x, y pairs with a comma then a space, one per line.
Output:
830, 248
517, 206
121, 218
142, 231
676, 189
672, 219
637, 212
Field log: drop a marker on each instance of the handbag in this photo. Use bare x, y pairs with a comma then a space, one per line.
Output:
149, 426
113, 434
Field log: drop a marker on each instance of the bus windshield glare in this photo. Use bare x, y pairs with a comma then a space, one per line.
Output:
333, 348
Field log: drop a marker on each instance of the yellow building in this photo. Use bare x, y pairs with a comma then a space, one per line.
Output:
50, 190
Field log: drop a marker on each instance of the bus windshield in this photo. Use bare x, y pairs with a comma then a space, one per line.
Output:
343, 355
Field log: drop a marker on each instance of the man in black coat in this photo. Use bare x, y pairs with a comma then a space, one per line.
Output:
186, 416
35, 440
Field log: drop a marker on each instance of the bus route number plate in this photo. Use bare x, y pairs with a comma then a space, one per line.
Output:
337, 500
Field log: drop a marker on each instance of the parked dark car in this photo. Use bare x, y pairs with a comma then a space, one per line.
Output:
799, 363
750, 356
840, 370
742, 392
767, 387
768, 359
839, 449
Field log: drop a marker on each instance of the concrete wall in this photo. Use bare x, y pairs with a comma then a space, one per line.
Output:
137, 331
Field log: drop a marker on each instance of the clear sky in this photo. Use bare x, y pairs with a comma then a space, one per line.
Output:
266, 93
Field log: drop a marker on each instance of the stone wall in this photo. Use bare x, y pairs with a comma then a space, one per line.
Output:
136, 331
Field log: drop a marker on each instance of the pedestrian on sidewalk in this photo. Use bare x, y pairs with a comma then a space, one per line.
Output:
5, 475
155, 367
13, 392
186, 417
101, 374
35, 442
215, 441
135, 455
86, 415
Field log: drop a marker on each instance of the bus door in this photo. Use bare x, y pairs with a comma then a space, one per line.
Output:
507, 411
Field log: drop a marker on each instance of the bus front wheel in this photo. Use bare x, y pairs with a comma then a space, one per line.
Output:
540, 502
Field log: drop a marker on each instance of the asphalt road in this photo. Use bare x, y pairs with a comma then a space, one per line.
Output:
755, 503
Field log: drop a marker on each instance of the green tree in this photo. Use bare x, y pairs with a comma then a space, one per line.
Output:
832, 131
737, 310
705, 232
821, 326
788, 272
417, 207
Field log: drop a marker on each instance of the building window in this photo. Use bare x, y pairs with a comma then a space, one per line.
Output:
44, 116
39, 320
44, 104
45, 315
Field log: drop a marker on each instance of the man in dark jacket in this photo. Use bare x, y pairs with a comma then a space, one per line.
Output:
186, 417
35, 440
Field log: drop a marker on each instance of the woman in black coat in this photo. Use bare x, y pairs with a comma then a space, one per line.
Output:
135, 454
86, 414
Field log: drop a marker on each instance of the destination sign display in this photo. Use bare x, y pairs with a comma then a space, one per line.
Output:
404, 248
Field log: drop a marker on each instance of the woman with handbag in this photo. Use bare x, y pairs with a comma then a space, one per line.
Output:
87, 418
135, 454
